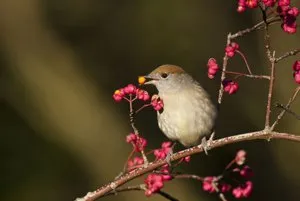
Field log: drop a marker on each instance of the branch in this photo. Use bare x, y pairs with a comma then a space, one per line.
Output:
135, 130
223, 75
271, 87
245, 60
249, 75
262, 135
198, 178
287, 54
255, 27
140, 187
286, 108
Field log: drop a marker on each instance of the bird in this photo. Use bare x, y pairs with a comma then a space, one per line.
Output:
188, 115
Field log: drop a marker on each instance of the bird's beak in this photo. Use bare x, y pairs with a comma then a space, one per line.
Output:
147, 79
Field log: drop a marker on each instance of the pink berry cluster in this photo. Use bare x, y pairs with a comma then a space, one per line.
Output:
209, 183
130, 89
139, 143
134, 163
296, 68
131, 93
287, 13
231, 49
166, 148
157, 103
213, 68
241, 172
230, 86
155, 181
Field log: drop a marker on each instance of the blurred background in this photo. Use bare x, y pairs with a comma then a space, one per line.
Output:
62, 134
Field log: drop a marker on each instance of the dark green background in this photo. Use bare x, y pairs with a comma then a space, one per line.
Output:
62, 134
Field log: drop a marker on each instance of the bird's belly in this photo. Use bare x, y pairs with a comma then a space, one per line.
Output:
181, 124
186, 120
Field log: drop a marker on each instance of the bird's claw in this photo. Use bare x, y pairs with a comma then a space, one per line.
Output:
206, 144
169, 156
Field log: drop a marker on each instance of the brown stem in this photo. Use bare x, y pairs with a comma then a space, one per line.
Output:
128, 158
279, 117
245, 60
255, 27
287, 54
248, 75
144, 106
135, 130
223, 75
230, 164
270, 92
189, 176
263, 134
140, 187
221, 195
234, 36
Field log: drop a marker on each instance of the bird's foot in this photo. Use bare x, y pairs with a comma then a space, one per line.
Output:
205, 144
170, 154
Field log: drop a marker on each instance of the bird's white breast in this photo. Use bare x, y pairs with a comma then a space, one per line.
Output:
187, 116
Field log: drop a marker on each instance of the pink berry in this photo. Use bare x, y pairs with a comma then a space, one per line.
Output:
212, 68
230, 86
269, 3
130, 89
284, 2
296, 65
157, 103
297, 76
207, 184
252, 3
240, 157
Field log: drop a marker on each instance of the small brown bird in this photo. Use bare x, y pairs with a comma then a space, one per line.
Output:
188, 114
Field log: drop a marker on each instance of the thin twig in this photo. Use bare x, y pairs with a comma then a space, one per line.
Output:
288, 110
234, 36
189, 176
285, 109
167, 196
135, 130
272, 71
287, 54
124, 189
255, 27
270, 92
198, 178
245, 60
248, 75
263, 134
140, 187
221, 195
144, 106
223, 75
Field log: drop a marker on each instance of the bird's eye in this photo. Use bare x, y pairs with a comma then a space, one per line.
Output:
164, 75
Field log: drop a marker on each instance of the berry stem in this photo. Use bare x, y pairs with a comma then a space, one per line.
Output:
248, 75
279, 117
287, 54
245, 60
135, 130
141, 108
140, 187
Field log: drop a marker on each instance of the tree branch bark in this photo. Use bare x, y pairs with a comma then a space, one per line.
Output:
257, 135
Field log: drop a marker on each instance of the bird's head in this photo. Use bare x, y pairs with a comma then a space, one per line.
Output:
169, 78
